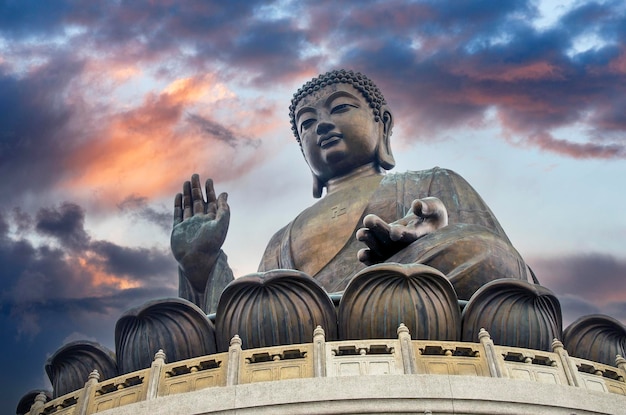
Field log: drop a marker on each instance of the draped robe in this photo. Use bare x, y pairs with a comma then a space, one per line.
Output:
471, 251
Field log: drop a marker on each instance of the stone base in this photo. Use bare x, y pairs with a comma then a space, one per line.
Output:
389, 394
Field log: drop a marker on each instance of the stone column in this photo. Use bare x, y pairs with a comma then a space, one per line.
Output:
234, 360
319, 352
569, 367
85, 397
494, 361
406, 350
154, 379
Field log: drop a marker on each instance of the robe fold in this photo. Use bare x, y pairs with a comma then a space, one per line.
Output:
472, 250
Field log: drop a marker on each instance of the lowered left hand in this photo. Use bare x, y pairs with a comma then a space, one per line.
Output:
385, 239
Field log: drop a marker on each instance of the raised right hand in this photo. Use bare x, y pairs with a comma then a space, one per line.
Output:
200, 228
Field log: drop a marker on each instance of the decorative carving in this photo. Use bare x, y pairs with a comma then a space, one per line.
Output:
273, 308
175, 325
69, 367
381, 297
596, 337
516, 313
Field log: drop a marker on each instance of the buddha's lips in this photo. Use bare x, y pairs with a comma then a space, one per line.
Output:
329, 140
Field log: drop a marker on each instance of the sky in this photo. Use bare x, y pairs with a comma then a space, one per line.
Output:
107, 107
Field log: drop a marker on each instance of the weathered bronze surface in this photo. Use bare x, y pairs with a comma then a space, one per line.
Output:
381, 297
273, 308
431, 217
596, 337
515, 313
175, 325
69, 367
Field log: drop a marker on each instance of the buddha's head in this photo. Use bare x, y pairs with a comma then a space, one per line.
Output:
342, 123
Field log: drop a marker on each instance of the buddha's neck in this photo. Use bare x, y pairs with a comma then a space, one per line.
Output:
339, 183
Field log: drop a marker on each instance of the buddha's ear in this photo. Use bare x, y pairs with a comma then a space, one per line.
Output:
318, 185
384, 155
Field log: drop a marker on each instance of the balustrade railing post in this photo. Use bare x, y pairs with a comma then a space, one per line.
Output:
406, 350
154, 377
569, 367
495, 362
37, 406
319, 352
620, 362
234, 360
85, 396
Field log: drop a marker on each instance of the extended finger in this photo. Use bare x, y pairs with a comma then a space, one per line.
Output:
211, 208
187, 208
210, 191
223, 210
196, 195
178, 209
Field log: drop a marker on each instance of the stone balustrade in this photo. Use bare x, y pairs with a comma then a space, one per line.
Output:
335, 359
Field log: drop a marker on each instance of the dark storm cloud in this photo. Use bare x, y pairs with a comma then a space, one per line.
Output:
49, 292
271, 51
27, 18
441, 64
599, 278
65, 223
138, 207
138, 263
35, 124
39, 276
220, 132
442, 68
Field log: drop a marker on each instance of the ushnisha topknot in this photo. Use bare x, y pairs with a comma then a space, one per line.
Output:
362, 83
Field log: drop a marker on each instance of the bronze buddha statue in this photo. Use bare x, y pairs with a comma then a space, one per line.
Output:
343, 125
402, 248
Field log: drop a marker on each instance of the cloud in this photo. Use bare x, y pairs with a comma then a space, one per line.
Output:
145, 150
589, 150
443, 69
138, 207
65, 224
217, 131
77, 273
36, 124
598, 277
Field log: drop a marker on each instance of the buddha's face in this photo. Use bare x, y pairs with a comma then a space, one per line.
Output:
337, 131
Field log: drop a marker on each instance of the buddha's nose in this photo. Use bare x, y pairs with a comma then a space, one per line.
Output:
324, 126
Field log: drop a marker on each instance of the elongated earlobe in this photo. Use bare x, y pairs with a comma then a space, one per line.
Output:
318, 186
383, 154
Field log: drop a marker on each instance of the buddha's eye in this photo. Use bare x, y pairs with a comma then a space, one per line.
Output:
342, 108
304, 125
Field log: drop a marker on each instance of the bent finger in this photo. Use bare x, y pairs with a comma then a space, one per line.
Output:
378, 227
373, 244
